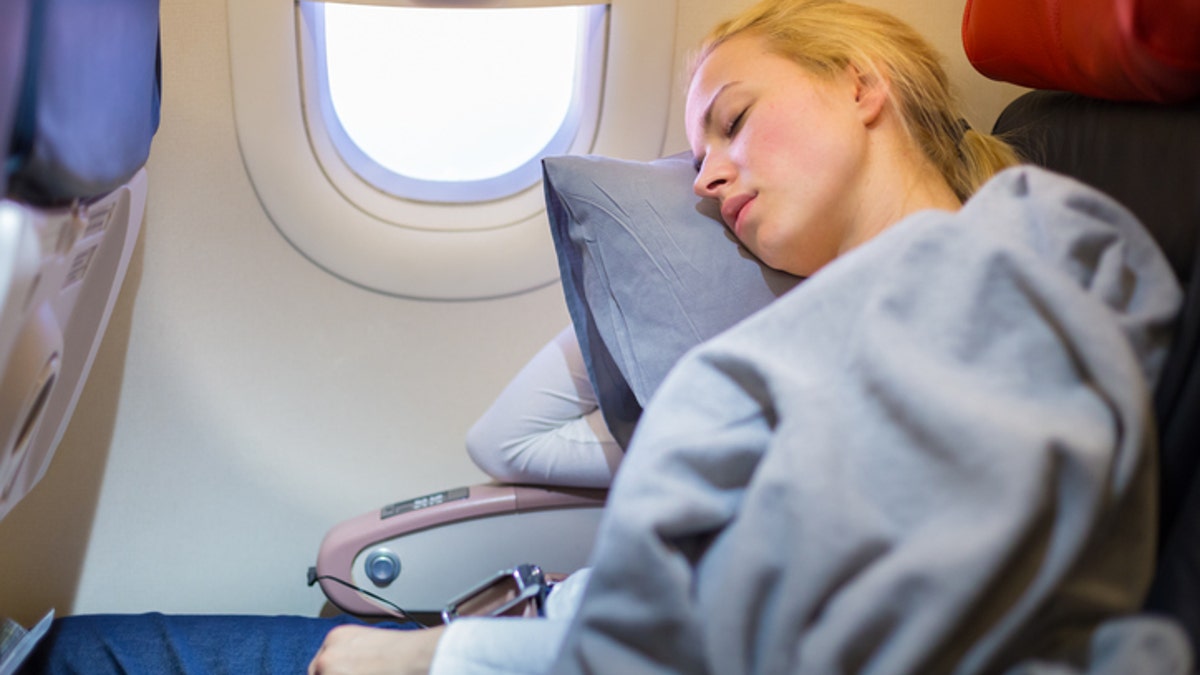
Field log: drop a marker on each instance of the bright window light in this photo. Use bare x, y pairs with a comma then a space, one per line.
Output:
452, 94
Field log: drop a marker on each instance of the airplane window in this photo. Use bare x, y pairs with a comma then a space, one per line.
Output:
453, 105
404, 156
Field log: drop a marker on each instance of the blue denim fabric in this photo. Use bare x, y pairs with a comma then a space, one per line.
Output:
182, 644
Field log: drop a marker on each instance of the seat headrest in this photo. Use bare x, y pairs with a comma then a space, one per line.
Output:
1125, 50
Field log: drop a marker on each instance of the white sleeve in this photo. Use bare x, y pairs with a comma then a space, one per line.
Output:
504, 646
546, 426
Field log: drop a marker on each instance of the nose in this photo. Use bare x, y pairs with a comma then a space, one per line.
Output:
713, 175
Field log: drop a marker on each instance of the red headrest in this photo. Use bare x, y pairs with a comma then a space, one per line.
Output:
1134, 50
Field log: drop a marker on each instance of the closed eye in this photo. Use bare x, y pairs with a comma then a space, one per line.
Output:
735, 124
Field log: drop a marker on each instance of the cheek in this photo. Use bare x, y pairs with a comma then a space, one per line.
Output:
768, 140
783, 163
795, 237
775, 231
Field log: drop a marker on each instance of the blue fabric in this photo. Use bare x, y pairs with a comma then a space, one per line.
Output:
90, 99
183, 644
14, 32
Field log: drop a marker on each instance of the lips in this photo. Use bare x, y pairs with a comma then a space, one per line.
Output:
732, 209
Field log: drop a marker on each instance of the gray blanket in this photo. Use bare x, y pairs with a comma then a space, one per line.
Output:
935, 455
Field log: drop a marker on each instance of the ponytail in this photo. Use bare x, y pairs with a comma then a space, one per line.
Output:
981, 156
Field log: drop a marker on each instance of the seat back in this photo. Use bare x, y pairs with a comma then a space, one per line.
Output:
14, 32
1147, 156
1130, 127
79, 102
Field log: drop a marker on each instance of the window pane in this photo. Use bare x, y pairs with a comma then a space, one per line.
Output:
451, 94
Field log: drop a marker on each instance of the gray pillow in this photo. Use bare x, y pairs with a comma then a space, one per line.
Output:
648, 270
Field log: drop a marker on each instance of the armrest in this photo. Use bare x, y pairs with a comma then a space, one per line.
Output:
420, 553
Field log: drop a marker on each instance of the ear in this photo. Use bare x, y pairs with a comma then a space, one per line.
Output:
870, 93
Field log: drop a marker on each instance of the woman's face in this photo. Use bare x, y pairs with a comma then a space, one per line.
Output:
780, 150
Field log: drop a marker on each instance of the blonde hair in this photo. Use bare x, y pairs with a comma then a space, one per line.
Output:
826, 36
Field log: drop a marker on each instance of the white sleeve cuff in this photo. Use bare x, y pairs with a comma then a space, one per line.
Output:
494, 646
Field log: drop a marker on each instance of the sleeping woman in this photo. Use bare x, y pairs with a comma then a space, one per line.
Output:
935, 455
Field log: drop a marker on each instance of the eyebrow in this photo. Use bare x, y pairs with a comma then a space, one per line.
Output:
708, 116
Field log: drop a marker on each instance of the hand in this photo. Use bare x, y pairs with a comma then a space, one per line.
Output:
362, 650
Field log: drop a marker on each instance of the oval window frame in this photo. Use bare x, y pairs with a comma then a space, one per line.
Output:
360, 178
451, 253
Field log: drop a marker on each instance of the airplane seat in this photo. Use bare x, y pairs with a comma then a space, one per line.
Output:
80, 90
1117, 105
1145, 155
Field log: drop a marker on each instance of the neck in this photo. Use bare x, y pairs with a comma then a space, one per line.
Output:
899, 180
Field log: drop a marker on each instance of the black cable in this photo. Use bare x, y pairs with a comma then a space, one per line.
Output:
399, 612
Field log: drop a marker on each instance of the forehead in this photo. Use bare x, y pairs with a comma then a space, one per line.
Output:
743, 61
721, 67
732, 59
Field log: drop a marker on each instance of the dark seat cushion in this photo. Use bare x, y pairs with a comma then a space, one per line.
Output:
1147, 156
